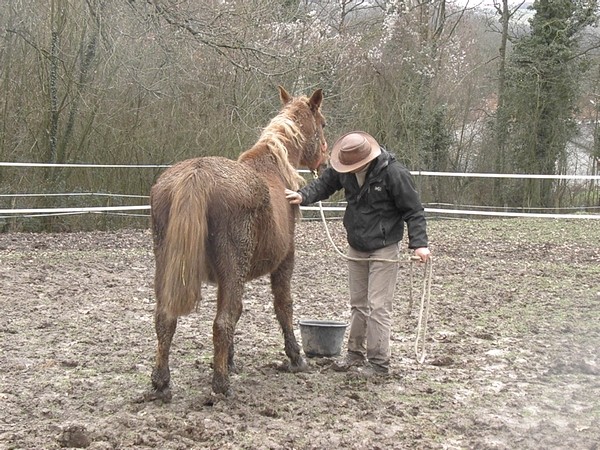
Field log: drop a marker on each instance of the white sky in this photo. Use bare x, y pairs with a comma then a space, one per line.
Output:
490, 3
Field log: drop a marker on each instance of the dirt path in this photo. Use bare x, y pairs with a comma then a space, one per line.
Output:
513, 350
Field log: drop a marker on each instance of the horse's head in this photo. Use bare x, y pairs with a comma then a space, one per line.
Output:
306, 112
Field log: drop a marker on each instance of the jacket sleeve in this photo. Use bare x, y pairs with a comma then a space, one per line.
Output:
409, 204
323, 187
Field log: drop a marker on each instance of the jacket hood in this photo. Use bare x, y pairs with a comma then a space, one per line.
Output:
381, 162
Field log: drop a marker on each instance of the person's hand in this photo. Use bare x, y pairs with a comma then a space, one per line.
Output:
293, 197
423, 253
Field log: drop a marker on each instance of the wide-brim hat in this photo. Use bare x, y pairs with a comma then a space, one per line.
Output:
353, 150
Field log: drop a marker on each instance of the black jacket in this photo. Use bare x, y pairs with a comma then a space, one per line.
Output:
376, 212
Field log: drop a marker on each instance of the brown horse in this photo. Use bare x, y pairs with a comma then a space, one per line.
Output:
227, 222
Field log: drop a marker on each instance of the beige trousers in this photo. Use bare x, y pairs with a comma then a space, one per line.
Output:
372, 285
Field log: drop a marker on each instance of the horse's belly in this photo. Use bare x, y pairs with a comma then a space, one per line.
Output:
261, 268
273, 247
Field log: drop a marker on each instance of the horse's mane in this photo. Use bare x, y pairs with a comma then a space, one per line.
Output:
282, 132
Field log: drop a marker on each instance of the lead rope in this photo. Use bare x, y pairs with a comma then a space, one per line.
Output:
423, 310
425, 291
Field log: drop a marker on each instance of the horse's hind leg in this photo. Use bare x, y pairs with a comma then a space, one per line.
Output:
231, 365
161, 376
229, 309
282, 301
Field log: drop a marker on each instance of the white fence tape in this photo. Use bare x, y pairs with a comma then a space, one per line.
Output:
76, 194
506, 175
84, 165
464, 212
114, 209
413, 172
453, 212
92, 209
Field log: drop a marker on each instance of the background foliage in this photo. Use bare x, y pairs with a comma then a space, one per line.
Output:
446, 88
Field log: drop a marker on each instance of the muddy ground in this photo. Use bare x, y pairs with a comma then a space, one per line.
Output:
512, 362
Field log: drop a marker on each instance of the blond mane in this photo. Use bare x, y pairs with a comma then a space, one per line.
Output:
281, 133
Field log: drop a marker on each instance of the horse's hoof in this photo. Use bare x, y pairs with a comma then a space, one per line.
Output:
220, 386
153, 395
299, 366
222, 395
212, 399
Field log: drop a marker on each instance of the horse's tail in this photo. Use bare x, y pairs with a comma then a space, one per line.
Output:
183, 247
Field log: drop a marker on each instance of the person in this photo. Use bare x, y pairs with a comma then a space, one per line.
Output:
381, 198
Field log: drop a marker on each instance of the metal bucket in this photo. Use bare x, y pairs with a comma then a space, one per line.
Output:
322, 337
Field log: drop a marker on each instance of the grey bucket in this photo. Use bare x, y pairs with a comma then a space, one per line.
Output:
322, 337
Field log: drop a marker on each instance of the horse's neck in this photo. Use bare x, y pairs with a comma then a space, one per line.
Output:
271, 162
263, 163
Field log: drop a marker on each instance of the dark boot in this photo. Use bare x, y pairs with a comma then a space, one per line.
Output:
352, 359
372, 370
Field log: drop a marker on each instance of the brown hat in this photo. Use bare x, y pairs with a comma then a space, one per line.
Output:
353, 150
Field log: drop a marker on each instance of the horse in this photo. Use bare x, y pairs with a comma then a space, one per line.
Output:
226, 222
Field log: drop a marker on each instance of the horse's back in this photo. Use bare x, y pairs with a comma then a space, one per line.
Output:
248, 221
231, 186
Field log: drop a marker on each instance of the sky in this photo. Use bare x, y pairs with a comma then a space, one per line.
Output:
489, 2
489, 5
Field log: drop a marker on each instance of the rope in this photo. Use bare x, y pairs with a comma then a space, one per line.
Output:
423, 310
350, 258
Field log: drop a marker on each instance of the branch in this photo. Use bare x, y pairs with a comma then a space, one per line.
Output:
29, 41
584, 52
187, 25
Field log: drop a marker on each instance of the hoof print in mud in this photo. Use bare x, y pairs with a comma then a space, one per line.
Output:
74, 436
212, 399
442, 361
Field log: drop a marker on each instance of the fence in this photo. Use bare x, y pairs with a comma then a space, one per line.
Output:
134, 210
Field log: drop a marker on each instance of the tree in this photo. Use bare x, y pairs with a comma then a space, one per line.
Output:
542, 79
501, 129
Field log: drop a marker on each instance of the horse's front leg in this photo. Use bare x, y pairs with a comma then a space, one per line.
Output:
229, 309
282, 301
161, 376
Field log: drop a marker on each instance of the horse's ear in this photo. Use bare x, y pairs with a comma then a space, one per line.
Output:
316, 99
284, 96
